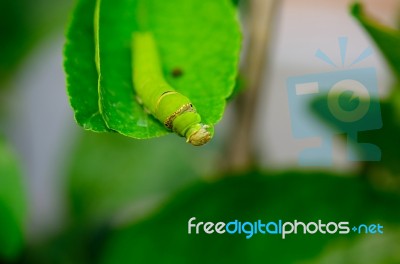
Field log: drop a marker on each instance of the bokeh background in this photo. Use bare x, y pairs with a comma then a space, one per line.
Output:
87, 192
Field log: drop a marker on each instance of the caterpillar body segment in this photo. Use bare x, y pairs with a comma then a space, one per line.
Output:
170, 107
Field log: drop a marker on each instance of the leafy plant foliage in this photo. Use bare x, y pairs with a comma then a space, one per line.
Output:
12, 204
199, 39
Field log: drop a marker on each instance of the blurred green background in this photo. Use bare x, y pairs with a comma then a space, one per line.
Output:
69, 196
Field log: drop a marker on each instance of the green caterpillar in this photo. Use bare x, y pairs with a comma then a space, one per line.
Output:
170, 107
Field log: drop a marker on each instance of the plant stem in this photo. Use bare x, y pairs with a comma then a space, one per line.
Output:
258, 16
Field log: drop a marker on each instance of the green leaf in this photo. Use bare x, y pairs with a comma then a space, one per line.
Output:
164, 238
200, 38
120, 109
80, 68
371, 130
367, 249
12, 204
385, 173
386, 38
108, 174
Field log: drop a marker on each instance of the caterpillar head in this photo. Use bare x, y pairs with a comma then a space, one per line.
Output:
199, 134
188, 125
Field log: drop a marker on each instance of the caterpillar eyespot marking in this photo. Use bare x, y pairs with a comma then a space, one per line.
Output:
167, 105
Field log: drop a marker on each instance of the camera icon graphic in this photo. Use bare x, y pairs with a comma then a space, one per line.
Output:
348, 99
